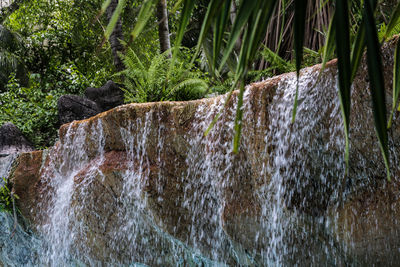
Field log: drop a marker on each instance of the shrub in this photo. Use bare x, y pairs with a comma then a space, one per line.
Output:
6, 197
161, 81
32, 110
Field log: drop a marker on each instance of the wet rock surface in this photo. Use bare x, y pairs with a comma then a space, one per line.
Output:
106, 97
96, 100
72, 107
155, 158
12, 140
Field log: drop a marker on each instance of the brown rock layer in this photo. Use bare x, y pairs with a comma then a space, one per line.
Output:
365, 221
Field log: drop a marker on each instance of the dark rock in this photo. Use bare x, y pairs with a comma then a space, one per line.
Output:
106, 97
12, 140
72, 107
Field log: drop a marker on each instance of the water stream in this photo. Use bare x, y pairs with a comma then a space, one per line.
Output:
266, 206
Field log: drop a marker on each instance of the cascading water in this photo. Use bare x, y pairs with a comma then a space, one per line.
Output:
154, 190
306, 167
17, 243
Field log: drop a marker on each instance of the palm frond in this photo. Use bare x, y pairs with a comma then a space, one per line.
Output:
396, 82
344, 68
377, 85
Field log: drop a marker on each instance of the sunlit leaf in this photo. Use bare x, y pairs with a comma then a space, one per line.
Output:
176, 6
114, 19
238, 120
329, 46
394, 19
144, 15
103, 9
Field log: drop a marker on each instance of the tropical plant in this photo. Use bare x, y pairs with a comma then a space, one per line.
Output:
277, 65
249, 27
32, 110
10, 62
252, 21
7, 197
60, 33
156, 81
115, 36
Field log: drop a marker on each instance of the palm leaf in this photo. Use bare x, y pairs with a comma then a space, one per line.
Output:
329, 46
263, 20
246, 9
299, 23
144, 15
359, 45
393, 21
114, 19
213, 8
396, 82
377, 86
256, 25
188, 7
103, 9
357, 50
220, 24
300, 7
238, 119
344, 71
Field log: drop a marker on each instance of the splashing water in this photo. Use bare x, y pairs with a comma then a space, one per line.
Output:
170, 196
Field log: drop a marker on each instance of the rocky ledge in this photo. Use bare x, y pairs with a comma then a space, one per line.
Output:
192, 185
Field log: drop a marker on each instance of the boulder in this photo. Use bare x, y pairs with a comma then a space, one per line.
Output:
106, 97
146, 173
72, 107
12, 140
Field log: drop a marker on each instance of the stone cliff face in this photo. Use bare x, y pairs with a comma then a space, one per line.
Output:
115, 181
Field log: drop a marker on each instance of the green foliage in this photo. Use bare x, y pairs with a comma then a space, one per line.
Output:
158, 81
377, 84
32, 110
300, 7
7, 197
396, 83
61, 33
10, 62
277, 65
344, 67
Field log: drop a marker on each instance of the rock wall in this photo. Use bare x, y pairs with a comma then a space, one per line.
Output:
283, 199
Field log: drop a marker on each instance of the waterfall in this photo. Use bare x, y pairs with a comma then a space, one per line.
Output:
17, 243
143, 186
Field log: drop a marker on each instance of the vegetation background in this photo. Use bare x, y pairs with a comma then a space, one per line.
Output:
179, 50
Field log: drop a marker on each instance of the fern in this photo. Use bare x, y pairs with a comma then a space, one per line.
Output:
276, 61
383, 31
157, 82
194, 87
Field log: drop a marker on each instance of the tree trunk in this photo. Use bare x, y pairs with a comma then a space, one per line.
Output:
163, 31
115, 37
